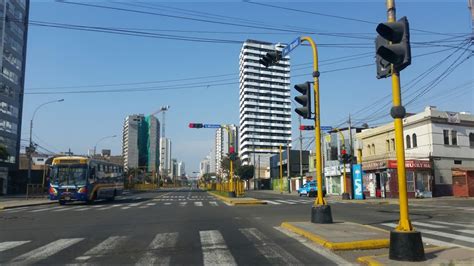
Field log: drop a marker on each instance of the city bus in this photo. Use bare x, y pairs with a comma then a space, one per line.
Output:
76, 178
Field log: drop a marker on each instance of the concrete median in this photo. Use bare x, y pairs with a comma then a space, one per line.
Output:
238, 201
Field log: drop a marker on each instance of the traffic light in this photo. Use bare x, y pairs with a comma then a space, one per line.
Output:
304, 99
195, 125
383, 66
393, 45
303, 127
270, 58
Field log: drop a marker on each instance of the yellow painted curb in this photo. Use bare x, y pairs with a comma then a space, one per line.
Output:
363, 244
369, 260
236, 201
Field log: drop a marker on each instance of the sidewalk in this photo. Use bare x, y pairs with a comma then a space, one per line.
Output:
16, 201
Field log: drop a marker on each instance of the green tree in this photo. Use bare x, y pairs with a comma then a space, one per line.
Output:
245, 172
3, 153
225, 164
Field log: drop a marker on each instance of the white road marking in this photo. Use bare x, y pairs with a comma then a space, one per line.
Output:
12, 210
124, 208
428, 225
273, 202
213, 203
285, 201
214, 249
455, 224
66, 208
165, 240
271, 251
45, 251
182, 204
198, 203
47, 209
316, 248
439, 233
167, 203
466, 231
151, 204
11, 244
82, 209
143, 207
103, 247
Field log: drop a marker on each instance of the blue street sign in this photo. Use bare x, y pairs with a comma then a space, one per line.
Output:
326, 128
290, 47
357, 179
212, 126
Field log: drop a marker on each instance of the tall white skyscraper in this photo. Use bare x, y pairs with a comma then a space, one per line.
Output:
181, 169
265, 104
165, 156
221, 147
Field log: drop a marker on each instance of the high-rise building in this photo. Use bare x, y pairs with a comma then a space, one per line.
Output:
205, 165
222, 144
181, 169
265, 104
174, 167
165, 156
13, 37
140, 147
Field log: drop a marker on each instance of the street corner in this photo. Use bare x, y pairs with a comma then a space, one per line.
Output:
341, 235
433, 256
24, 203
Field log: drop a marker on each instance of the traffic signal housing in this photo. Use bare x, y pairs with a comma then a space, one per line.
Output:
270, 58
303, 127
384, 69
195, 125
304, 99
393, 45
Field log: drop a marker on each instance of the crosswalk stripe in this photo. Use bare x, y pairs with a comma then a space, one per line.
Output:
151, 204
143, 207
213, 203
271, 251
11, 244
439, 233
182, 204
466, 231
46, 209
455, 224
12, 210
428, 225
127, 207
45, 251
164, 240
198, 203
214, 249
167, 203
102, 248
273, 202
67, 208
82, 209
134, 204
107, 207
285, 201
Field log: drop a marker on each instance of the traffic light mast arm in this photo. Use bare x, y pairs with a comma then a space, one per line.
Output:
317, 126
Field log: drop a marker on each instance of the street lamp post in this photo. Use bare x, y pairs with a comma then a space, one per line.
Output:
106, 137
30, 148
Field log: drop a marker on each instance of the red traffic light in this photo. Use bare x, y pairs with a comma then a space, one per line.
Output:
231, 149
195, 125
303, 127
343, 152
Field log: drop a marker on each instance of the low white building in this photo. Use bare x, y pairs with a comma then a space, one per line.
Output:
435, 142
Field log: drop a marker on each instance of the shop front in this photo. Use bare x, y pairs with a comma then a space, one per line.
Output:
334, 179
380, 178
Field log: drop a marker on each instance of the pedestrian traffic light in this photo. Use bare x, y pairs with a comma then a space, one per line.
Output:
195, 125
270, 58
303, 127
304, 99
394, 44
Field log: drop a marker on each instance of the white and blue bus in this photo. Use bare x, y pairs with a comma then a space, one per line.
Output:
75, 178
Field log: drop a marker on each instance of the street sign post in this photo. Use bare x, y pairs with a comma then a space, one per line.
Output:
290, 47
212, 126
326, 128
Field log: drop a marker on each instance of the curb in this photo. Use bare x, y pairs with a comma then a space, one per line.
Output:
234, 202
372, 261
352, 245
26, 205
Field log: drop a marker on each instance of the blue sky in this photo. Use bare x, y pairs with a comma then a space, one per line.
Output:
62, 58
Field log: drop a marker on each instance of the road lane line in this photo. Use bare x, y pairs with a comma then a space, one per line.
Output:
198, 203
161, 241
466, 231
213, 203
428, 225
455, 224
285, 201
82, 209
124, 208
11, 244
46, 251
271, 251
214, 249
273, 202
46, 209
102, 248
314, 247
67, 209
182, 204
151, 204
439, 233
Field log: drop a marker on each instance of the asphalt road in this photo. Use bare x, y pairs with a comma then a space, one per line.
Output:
445, 222
167, 227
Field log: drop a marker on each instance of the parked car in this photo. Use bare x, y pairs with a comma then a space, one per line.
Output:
310, 189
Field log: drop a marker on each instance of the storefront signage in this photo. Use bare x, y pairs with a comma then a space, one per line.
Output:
411, 164
357, 179
374, 165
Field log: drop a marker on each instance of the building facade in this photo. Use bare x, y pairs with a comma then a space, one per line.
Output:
265, 104
222, 145
140, 147
13, 40
205, 166
181, 169
165, 157
435, 141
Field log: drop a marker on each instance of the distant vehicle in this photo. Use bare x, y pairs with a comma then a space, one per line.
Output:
310, 189
75, 178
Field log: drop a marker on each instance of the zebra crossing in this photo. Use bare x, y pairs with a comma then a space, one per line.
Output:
443, 233
160, 248
288, 201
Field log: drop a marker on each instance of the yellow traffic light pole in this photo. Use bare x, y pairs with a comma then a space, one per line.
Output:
281, 171
404, 224
317, 126
343, 163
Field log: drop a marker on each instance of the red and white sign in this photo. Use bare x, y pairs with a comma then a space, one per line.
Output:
410, 164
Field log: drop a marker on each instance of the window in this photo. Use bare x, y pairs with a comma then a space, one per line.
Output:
387, 144
446, 136
454, 137
410, 181
408, 141
457, 162
373, 149
368, 150
471, 140
393, 144
414, 141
